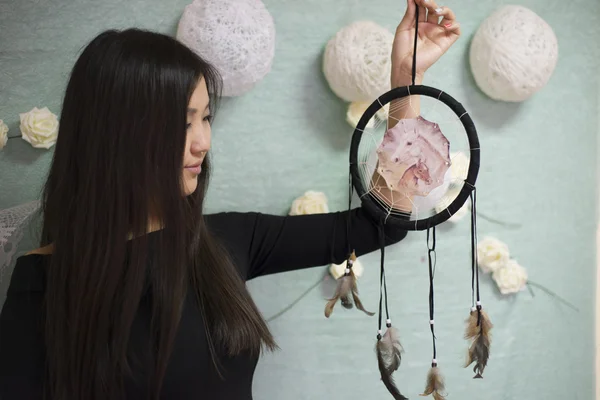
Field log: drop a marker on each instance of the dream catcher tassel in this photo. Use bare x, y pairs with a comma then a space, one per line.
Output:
435, 382
346, 291
478, 324
388, 347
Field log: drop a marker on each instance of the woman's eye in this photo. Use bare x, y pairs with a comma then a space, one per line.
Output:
188, 126
208, 118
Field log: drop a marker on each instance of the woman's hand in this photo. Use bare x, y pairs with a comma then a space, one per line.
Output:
437, 31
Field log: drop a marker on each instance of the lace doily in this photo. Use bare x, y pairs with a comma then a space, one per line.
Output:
12, 224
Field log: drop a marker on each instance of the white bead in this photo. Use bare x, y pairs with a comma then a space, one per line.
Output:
379, 331
431, 322
434, 361
388, 321
478, 302
473, 308
347, 270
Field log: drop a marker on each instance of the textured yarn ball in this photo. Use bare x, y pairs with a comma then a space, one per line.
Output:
513, 54
357, 61
236, 36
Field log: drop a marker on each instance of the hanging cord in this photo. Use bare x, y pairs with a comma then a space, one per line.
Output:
414, 65
432, 261
476, 298
383, 297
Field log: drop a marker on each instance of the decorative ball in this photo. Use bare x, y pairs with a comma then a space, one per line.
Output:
513, 54
357, 61
235, 36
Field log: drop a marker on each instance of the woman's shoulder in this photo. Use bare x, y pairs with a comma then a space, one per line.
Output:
29, 274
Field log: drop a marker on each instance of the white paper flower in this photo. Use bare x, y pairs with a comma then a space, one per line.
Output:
311, 202
3, 134
357, 109
338, 270
459, 167
492, 254
447, 200
39, 127
460, 214
511, 278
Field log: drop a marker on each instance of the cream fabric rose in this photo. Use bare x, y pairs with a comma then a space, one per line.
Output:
357, 109
3, 134
459, 167
39, 127
461, 213
338, 270
492, 254
511, 278
311, 202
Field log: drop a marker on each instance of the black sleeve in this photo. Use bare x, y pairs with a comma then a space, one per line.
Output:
21, 340
273, 244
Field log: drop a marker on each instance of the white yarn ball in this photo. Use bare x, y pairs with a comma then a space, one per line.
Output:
236, 36
513, 54
357, 61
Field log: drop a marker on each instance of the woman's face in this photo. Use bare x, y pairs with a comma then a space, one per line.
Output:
197, 143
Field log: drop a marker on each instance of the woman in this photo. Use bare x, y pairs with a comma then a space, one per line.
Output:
135, 293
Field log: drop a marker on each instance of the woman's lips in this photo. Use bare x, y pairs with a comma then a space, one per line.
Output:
195, 169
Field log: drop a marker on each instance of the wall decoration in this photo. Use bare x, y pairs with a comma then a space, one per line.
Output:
513, 54
3, 134
311, 202
236, 36
39, 127
493, 257
357, 62
511, 277
492, 254
356, 110
338, 270
13, 222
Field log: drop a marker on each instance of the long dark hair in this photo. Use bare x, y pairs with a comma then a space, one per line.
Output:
118, 161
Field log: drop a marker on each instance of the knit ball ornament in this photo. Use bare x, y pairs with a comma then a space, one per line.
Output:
236, 36
513, 54
357, 61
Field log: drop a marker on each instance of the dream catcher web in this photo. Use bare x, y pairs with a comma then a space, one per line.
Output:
413, 172
380, 147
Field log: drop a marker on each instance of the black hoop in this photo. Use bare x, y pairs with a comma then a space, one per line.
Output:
368, 199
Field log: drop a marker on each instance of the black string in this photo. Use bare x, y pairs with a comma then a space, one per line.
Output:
473, 250
474, 261
414, 66
382, 283
350, 191
432, 259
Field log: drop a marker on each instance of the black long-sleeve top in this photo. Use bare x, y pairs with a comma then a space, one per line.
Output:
260, 245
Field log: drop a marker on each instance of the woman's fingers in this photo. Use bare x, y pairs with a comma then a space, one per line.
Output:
431, 5
453, 27
409, 15
447, 14
449, 21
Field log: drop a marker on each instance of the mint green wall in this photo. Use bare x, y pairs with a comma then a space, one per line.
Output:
289, 135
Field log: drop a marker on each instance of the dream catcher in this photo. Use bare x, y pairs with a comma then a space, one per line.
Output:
414, 172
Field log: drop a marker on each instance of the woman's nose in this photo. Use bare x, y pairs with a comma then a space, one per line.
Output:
199, 146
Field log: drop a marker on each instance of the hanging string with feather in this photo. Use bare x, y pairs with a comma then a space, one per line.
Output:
347, 288
388, 347
435, 382
478, 324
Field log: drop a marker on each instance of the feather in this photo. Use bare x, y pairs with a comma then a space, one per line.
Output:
355, 297
389, 350
435, 384
478, 330
346, 292
342, 291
